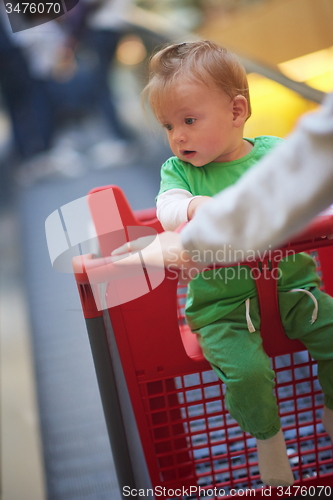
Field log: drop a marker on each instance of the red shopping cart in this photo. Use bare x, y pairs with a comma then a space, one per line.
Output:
166, 390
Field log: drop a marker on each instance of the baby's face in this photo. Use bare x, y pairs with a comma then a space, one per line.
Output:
200, 124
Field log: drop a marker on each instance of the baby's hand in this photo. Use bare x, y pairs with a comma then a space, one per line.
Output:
131, 246
163, 249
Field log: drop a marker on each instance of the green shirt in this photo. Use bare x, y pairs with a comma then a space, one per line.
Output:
214, 293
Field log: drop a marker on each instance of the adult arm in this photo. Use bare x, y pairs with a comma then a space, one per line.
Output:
273, 200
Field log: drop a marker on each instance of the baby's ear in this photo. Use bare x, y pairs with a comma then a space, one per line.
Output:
240, 110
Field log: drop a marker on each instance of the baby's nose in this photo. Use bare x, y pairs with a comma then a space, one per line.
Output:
179, 135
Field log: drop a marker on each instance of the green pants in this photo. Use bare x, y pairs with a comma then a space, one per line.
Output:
237, 356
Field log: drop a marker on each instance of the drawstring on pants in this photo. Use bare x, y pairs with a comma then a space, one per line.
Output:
315, 310
250, 325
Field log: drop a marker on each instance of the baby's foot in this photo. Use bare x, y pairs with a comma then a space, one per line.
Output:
273, 461
328, 421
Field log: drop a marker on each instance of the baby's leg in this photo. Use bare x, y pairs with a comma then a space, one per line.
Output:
328, 421
273, 461
317, 337
239, 360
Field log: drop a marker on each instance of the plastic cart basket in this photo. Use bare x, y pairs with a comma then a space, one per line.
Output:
190, 445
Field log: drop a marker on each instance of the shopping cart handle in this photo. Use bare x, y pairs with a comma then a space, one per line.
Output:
320, 227
95, 270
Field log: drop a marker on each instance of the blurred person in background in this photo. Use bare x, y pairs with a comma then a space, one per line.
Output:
64, 74
105, 25
83, 69
20, 95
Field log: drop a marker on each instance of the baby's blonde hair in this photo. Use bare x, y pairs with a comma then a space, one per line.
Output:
202, 61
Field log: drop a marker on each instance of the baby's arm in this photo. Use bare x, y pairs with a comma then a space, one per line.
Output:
173, 207
194, 203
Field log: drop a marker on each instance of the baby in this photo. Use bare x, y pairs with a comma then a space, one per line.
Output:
199, 93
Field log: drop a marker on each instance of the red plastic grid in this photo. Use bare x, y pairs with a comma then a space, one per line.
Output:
192, 430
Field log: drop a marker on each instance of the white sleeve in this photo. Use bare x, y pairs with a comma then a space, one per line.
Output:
273, 200
171, 208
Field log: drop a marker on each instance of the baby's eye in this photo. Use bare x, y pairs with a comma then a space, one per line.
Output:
189, 121
167, 126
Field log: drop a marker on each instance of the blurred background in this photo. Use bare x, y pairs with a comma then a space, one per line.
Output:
71, 119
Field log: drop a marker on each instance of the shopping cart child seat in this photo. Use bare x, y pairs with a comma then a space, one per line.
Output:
187, 435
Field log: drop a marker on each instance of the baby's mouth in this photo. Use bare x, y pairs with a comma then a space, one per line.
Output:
187, 152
